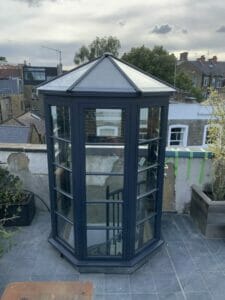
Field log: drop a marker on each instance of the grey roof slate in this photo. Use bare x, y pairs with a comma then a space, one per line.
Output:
30, 118
14, 134
210, 68
106, 74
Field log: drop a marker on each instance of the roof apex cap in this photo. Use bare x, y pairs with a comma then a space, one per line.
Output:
107, 54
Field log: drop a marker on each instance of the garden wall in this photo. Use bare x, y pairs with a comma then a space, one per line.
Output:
184, 167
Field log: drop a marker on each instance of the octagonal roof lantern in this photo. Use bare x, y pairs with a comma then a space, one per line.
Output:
109, 75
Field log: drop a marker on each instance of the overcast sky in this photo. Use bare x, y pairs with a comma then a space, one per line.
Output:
179, 25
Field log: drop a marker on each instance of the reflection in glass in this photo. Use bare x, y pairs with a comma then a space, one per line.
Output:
144, 233
65, 231
104, 242
147, 181
145, 207
104, 126
149, 126
62, 152
147, 155
104, 159
63, 179
61, 121
100, 187
64, 206
106, 214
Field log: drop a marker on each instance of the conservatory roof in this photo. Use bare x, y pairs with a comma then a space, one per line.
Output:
106, 74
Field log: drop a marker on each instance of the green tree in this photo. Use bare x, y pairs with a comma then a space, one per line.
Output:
216, 143
184, 83
157, 61
3, 58
97, 48
161, 64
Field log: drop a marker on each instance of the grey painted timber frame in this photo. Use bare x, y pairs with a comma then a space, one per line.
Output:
129, 261
131, 103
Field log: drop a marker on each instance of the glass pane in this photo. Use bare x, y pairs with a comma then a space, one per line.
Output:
105, 159
104, 126
100, 187
144, 233
147, 155
61, 121
149, 126
63, 179
64, 206
62, 152
104, 242
147, 181
109, 214
65, 231
145, 207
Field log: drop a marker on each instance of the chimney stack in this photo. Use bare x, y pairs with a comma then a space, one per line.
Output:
201, 59
184, 56
214, 59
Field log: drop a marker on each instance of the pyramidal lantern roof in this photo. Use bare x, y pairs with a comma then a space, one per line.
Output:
106, 74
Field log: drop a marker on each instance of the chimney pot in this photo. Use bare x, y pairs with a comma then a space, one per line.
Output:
184, 56
202, 58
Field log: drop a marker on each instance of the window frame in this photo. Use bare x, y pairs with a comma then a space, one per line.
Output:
204, 144
185, 135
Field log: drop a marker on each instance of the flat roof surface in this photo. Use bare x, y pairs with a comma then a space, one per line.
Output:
187, 267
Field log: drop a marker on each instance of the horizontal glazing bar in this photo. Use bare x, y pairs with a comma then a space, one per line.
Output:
146, 219
105, 146
104, 174
62, 192
149, 167
60, 166
105, 202
146, 194
63, 217
149, 141
60, 139
104, 227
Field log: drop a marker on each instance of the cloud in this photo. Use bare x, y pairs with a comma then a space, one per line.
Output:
35, 3
184, 31
122, 23
221, 29
162, 29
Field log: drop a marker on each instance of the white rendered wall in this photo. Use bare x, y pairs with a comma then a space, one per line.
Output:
29, 162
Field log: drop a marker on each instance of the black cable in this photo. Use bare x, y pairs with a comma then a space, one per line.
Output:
42, 200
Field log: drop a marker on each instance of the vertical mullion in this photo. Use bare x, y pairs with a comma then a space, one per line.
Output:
82, 228
76, 175
160, 173
131, 174
50, 156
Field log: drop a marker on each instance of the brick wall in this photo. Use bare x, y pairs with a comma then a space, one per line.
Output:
195, 130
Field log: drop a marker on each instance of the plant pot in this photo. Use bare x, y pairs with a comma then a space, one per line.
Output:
209, 215
24, 211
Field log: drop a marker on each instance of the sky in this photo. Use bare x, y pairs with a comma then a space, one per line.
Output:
26, 26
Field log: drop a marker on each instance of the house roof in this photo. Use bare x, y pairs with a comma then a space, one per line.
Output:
106, 74
209, 67
9, 71
30, 118
14, 134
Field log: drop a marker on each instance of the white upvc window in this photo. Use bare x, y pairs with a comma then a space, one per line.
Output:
206, 81
178, 135
107, 131
206, 141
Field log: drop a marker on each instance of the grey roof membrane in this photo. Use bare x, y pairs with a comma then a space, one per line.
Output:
14, 134
106, 74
